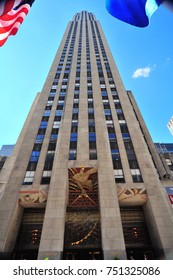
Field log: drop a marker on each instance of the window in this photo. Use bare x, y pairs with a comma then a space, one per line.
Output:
54, 87
35, 156
113, 144
45, 180
46, 177
108, 117
43, 124
58, 112
32, 166
51, 146
72, 154
119, 111
37, 147
92, 144
118, 175
49, 102
111, 129
75, 116
75, 110
55, 131
53, 137
57, 118
92, 128
90, 104
73, 145
59, 107
117, 105
121, 116
75, 105
46, 113
56, 125
124, 128
133, 164
91, 110
137, 178
93, 154
106, 105
128, 144
41, 131
92, 136
49, 161
39, 139
73, 137
45, 118
74, 129
29, 177
112, 136
117, 162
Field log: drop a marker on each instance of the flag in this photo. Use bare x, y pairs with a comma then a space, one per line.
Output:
134, 12
13, 13
7, 5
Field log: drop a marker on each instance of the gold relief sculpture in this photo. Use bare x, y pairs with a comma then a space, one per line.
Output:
82, 226
132, 197
84, 229
80, 179
83, 186
32, 197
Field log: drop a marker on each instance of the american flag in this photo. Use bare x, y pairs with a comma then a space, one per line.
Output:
12, 14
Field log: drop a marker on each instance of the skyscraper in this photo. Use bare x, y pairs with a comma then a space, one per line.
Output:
170, 125
85, 180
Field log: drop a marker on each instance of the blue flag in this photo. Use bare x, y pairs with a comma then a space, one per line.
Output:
134, 12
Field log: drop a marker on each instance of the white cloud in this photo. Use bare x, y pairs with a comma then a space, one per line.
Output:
168, 59
142, 72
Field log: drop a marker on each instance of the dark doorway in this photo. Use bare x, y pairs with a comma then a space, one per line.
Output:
140, 254
28, 239
136, 234
83, 254
25, 254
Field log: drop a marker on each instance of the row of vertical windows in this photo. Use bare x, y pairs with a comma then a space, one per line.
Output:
133, 164
30, 172
75, 112
116, 160
47, 170
91, 120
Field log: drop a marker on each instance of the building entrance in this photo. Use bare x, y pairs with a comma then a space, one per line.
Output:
28, 239
136, 234
83, 254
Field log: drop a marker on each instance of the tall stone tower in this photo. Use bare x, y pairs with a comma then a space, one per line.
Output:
84, 181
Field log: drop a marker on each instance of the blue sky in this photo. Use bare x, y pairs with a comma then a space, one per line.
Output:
144, 57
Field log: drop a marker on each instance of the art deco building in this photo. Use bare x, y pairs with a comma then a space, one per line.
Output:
85, 180
170, 125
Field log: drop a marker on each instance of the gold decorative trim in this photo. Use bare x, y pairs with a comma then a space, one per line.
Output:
132, 197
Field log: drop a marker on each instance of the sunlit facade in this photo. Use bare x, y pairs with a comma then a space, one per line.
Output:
84, 180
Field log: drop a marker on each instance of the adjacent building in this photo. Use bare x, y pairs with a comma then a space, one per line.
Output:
5, 152
170, 125
85, 180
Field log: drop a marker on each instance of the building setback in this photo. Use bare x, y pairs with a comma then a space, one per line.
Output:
85, 180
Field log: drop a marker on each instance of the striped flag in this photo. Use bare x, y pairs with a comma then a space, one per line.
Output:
7, 5
12, 14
